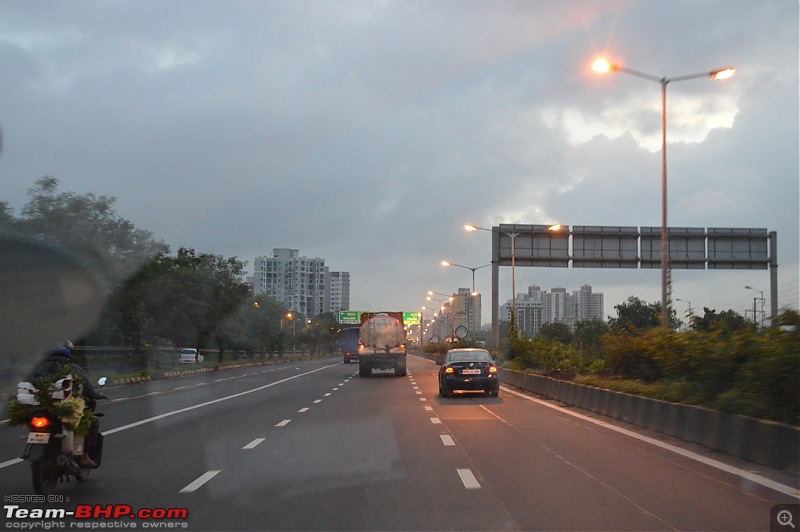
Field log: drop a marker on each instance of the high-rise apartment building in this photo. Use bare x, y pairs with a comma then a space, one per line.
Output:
340, 291
466, 309
538, 307
302, 284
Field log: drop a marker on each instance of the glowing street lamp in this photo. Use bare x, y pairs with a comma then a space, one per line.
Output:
603, 65
513, 236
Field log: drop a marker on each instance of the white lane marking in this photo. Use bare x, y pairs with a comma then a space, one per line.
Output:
422, 399
327, 394
302, 410
254, 443
318, 401
447, 440
284, 423
208, 403
11, 462
418, 393
747, 475
436, 421
429, 408
468, 479
335, 389
202, 479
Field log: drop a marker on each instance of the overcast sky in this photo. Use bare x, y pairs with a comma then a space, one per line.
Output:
368, 132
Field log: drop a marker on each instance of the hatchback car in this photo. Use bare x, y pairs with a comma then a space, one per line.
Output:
468, 369
189, 356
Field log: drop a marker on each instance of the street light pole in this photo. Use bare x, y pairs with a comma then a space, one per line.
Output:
448, 263
755, 316
602, 65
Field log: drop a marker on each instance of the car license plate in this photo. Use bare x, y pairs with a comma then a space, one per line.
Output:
38, 437
470, 372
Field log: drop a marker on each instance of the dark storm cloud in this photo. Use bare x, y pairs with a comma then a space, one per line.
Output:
369, 132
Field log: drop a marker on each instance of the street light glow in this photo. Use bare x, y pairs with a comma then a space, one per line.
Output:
602, 65
470, 227
723, 73
445, 263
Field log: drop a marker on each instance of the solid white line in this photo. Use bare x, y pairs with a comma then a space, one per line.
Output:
747, 475
468, 479
202, 479
447, 440
254, 443
207, 403
11, 462
284, 423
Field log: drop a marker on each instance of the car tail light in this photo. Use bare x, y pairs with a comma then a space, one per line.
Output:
492, 369
38, 422
449, 369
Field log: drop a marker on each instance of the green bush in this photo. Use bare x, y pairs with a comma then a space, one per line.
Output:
743, 371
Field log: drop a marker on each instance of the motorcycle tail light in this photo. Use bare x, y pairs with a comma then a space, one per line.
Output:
38, 422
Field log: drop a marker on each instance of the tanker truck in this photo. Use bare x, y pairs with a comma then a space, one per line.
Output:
382, 343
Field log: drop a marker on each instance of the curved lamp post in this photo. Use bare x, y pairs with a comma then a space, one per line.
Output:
602, 65
448, 263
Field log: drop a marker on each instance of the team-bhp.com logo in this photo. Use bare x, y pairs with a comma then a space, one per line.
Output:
87, 516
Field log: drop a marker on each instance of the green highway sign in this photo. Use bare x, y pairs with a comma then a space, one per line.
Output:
411, 318
350, 316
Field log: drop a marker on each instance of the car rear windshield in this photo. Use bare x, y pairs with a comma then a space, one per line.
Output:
474, 356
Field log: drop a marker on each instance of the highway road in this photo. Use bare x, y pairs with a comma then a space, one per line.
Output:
311, 446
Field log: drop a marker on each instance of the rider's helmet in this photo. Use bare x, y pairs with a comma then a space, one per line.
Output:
63, 350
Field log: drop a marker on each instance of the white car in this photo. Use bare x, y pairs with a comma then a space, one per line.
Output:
189, 356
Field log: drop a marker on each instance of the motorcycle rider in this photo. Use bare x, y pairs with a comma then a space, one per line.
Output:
58, 357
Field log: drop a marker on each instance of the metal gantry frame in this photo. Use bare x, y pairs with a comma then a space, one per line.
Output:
631, 247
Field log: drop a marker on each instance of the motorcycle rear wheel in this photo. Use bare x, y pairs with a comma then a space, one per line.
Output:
44, 472
84, 474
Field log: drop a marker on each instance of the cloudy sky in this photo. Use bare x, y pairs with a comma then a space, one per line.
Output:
369, 132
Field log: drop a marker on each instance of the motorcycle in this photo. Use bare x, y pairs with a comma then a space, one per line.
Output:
53, 449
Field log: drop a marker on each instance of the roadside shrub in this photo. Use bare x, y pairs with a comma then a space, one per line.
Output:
630, 355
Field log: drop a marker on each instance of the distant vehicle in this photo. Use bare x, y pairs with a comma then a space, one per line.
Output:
189, 356
468, 369
350, 344
382, 343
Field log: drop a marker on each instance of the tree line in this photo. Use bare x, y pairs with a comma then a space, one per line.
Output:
157, 298
723, 361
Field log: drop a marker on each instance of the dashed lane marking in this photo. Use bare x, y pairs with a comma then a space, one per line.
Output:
202, 479
254, 443
468, 479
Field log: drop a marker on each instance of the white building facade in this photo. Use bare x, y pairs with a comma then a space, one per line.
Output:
302, 284
537, 307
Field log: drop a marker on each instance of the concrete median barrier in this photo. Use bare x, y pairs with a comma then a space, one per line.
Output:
763, 442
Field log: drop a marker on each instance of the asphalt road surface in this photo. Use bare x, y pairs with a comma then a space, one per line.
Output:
311, 446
